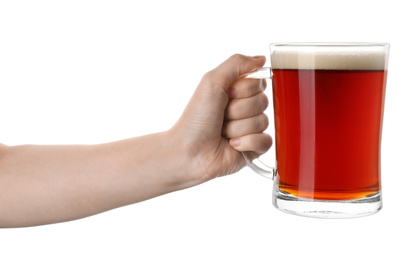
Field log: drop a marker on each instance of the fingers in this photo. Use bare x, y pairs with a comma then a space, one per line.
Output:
236, 128
246, 87
258, 143
246, 107
211, 96
233, 68
244, 118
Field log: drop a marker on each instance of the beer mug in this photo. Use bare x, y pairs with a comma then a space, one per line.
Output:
328, 109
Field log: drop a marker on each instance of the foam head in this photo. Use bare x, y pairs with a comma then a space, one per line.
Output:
333, 57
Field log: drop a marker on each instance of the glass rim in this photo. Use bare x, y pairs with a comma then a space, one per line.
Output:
330, 44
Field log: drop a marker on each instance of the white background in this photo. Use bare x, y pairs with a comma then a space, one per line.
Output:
97, 71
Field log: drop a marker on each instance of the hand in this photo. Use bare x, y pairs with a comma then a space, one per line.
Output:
65, 182
225, 116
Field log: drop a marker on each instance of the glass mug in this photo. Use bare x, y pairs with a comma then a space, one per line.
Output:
328, 110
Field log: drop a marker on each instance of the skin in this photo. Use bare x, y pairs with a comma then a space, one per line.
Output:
43, 184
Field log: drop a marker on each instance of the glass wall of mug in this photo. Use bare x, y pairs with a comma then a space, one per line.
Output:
328, 112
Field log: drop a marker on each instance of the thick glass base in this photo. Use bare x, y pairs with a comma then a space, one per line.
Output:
327, 208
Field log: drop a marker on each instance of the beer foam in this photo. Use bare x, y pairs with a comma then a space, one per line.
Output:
329, 57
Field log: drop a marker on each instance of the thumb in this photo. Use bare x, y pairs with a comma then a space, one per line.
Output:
234, 67
207, 107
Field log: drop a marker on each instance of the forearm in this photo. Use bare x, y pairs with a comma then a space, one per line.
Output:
47, 184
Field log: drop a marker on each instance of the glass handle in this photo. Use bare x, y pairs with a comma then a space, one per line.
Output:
256, 165
260, 167
261, 73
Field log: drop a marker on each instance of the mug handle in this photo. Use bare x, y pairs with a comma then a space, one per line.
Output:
256, 165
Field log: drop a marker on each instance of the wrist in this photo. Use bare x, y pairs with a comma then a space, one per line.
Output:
187, 164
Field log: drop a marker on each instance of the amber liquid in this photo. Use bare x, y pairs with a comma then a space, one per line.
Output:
328, 131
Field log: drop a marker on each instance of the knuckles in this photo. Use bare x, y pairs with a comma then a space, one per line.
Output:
263, 122
237, 58
235, 128
262, 101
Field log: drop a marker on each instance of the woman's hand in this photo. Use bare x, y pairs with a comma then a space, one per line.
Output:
44, 184
225, 116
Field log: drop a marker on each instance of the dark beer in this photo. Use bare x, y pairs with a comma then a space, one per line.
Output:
328, 131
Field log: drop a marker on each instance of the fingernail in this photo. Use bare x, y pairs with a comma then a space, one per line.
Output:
235, 142
231, 93
258, 57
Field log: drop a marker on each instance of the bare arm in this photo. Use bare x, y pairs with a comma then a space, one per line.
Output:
49, 184
45, 184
